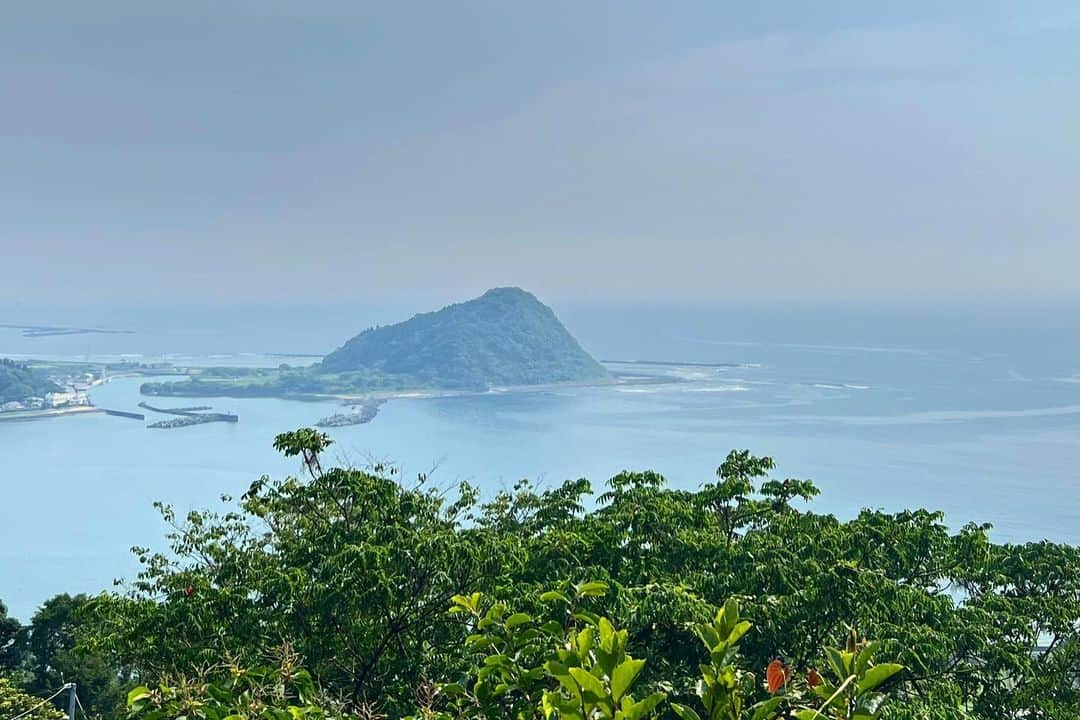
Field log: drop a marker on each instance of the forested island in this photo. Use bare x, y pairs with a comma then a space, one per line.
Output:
352, 594
504, 338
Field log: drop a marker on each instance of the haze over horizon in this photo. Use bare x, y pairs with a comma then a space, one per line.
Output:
603, 152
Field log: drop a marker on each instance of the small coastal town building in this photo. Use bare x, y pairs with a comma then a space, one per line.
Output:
59, 399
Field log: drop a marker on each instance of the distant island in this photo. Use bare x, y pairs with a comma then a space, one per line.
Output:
504, 338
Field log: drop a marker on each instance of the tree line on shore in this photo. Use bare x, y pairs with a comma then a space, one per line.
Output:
348, 592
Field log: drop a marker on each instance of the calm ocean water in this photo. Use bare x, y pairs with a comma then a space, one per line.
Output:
974, 414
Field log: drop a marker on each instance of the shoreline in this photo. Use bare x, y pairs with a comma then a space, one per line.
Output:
376, 397
47, 413
423, 394
44, 414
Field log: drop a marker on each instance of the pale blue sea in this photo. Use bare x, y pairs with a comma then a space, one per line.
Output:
973, 413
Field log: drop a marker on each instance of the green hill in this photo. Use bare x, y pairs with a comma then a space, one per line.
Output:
504, 337
18, 382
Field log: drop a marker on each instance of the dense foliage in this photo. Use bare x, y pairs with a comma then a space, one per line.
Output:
19, 382
574, 664
504, 337
283, 691
354, 570
43, 655
568, 663
16, 703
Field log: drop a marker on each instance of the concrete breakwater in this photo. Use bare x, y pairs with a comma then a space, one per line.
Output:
192, 419
175, 411
124, 414
187, 416
366, 414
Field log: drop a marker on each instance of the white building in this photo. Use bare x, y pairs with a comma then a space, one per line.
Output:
58, 399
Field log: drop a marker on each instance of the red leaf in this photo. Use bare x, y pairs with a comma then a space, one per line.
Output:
776, 676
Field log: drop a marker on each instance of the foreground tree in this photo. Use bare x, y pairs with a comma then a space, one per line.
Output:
52, 656
9, 649
350, 567
353, 570
16, 703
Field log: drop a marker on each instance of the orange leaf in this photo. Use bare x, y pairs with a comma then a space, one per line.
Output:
776, 676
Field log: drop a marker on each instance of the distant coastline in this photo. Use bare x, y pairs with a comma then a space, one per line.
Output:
372, 399
32, 331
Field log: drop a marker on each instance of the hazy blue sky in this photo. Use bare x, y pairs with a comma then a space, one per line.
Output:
333, 151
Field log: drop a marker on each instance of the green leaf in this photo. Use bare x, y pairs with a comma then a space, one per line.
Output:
465, 603
554, 595
687, 713
592, 589
607, 633
571, 687
623, 677
877, 675
731, 614
477, 641
869, 703
738, 631
766, 709
556, 668
139, 693
591, 687
585, 641
709, 637
642, 708
862, 660
546, 704
517, 619
836, 662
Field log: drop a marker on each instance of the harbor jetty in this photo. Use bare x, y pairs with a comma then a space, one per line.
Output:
365, 414
175, 411
192, 419
187, 416
124, 414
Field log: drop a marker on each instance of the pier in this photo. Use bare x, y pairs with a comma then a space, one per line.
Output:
187, 416
123, 414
